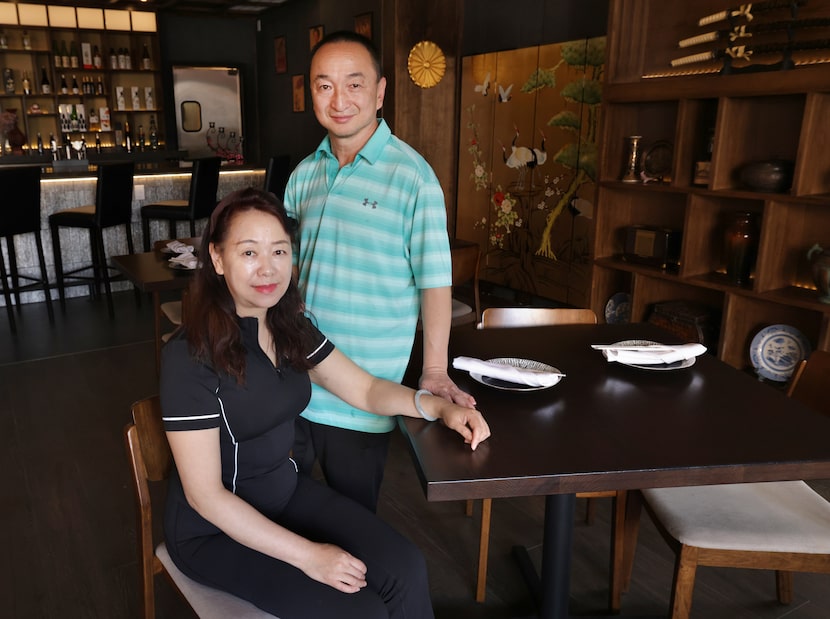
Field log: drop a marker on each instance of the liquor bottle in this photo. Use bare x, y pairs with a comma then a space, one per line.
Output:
64, 87
98, 142
73, 54
67, 147
141, 139
154, 135
97, 61
4, 40
146, 63
99, 86
45, 86
39, 144
65, 63
113, 59
27, 41
73, 119
53, 146
128, 139
27, 85
56, 53
8, 81
122, 58
75, 89
82, 123
128, 59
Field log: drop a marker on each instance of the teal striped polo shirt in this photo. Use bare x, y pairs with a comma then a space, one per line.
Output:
371, 236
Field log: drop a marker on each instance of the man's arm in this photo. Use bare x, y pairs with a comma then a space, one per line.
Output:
436, 317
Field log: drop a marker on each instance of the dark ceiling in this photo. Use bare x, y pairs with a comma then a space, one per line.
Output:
202, 7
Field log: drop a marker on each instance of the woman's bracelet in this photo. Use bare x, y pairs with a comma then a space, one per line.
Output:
418, 406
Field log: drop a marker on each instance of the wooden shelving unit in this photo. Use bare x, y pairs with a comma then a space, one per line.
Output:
753, 116
40, 57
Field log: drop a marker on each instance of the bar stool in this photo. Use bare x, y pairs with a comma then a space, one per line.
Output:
21, 215
276, 174
204, 183
113, 207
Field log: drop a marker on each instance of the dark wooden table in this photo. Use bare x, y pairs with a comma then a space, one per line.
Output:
149, 272
610, 427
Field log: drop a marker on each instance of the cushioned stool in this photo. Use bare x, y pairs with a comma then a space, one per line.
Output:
204, 183
113, 207
21, 215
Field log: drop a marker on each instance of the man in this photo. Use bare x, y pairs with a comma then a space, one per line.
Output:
373, 250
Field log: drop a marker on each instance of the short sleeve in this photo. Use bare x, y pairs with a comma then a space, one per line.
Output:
322, 348
188, 390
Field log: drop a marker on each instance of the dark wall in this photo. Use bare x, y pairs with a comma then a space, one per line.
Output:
281, 129
188, 40
496, 25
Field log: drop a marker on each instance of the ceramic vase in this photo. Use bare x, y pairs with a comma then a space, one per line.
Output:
820, 265
631, 172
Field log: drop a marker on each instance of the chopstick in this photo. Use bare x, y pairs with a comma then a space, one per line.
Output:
655, 348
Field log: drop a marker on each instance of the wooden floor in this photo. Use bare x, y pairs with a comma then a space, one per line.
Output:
67, 520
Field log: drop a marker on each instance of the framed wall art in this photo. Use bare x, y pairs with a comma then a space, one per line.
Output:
363, 24
298, 93
315, 34
280, 58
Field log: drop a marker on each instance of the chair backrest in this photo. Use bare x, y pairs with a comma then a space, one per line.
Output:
465, 266
535, 316
204, 183
20, 212
151, 461
276, 174
114, 194
809, 382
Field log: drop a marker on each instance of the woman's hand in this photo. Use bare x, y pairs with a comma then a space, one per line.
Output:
468, 422
336, 568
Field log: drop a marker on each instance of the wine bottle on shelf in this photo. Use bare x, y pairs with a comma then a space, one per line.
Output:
8, 81
128, 59
99, 86
154, 135
27, 41
56, 52
128, 139
74, 124
97, 61
141, 139
98, 142
45, 86
122, 58
67, 147
4, 40
73, 54
64, 87
82, 123
146, 63
53, 147
75, 89
27, 84
113, 59
39, 143
64, 55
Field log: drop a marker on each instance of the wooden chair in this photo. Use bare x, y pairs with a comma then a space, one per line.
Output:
151, 461
204, 183
465, 265
507, 317
782, 526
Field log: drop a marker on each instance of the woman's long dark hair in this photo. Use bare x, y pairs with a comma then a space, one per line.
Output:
211, 324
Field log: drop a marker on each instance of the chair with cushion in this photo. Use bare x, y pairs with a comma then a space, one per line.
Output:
204, 183
113, 207
21, 215
465, 265
150, 462
276, 174
782, 526
509, 317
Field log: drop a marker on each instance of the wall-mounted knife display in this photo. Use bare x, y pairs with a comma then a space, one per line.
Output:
747, 31
749, 10
748, 52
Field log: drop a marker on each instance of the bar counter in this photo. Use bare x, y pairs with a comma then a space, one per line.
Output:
67, 189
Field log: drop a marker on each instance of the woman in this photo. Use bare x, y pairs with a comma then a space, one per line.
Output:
239, 517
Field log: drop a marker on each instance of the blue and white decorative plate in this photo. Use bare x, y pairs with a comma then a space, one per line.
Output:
618, 308
776, 350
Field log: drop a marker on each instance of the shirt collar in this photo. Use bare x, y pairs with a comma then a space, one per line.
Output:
371, 150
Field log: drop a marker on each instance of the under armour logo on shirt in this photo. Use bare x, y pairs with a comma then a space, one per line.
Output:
367, 203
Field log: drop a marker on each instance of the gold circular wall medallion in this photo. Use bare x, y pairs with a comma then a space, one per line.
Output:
426, 64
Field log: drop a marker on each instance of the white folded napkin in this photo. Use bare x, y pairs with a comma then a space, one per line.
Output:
187, 260
660, 354
177, 247
509, 373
